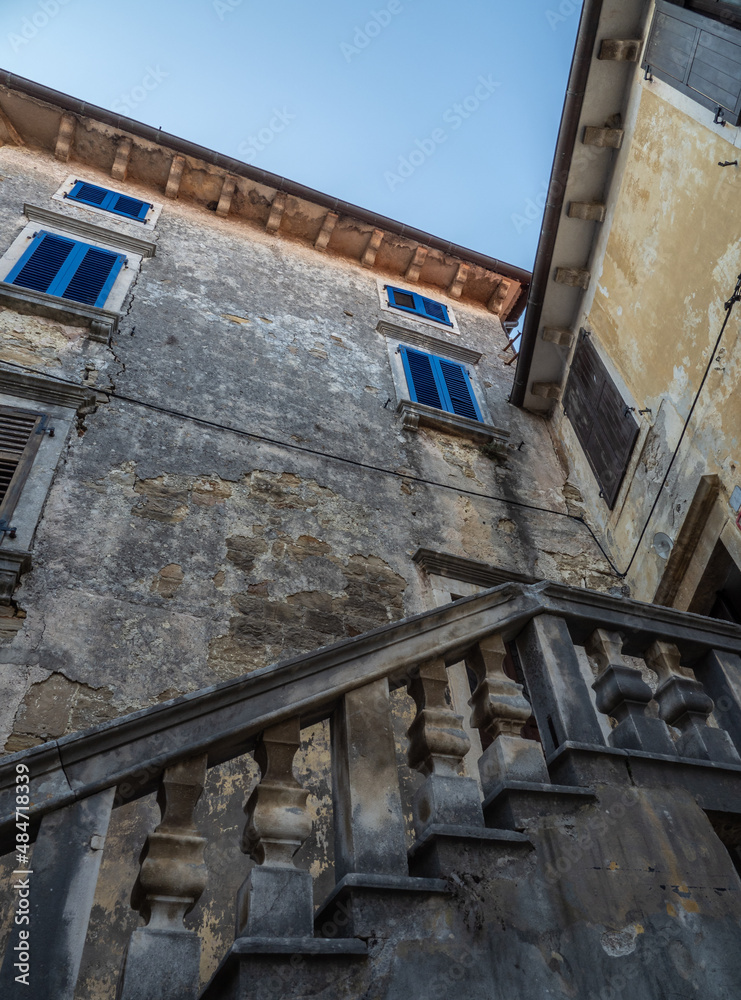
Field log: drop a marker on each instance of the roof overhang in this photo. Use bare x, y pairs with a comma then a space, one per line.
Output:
40, 118
605, 60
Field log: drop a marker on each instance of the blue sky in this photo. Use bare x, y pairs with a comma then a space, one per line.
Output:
442, 115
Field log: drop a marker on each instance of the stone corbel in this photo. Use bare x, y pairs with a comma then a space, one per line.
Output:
276, 212
369, 256
12, 565
227, 193
64, 137
121, 162
456, 285
416, 264
176, 172
101, 330
325, 233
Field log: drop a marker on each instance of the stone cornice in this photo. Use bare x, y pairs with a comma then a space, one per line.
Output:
434, 345
236, 190
43, 390
99, 234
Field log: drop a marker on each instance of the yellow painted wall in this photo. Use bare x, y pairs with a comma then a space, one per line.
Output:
671, 261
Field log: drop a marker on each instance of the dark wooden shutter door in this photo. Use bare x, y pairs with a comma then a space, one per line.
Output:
19, 440
698, 56
604, 426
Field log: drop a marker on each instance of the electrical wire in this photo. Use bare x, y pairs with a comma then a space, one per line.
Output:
735, 297
292, 446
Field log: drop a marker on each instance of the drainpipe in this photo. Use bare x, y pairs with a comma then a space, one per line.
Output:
585, 43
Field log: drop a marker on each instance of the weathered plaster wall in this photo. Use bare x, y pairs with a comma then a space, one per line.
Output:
670, 262
173, 553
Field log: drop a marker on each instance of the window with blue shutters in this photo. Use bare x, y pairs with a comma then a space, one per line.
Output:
68, 268
411, 302
438, 382
109, 201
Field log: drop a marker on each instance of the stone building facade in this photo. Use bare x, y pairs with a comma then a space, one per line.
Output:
289, 509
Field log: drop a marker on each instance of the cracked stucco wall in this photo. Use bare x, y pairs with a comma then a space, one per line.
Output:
173, 553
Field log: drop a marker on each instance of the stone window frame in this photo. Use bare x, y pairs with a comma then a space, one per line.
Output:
415, 415
101, 322
401, 316
60, 403
81, 211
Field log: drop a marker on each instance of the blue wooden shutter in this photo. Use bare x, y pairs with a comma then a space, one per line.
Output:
423, 385
411, 302
111, 201
440, 383
435, 310
67, 268
41, 262
460, 392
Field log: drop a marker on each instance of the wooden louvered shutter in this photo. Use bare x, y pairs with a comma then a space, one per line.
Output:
132, 207
412, 302
94, 274
111, 201
440, 383
67, 268
459, 389
602, 421
698, 56
42, 262
20, 436
423, 386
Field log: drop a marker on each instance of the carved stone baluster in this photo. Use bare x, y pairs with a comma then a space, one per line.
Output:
437, 746
276, 898
624, 696
163, 959
501, 709
683, 703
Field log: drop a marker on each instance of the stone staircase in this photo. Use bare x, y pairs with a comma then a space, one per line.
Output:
597, 862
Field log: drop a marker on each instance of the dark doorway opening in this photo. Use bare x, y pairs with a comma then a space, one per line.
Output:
718, 594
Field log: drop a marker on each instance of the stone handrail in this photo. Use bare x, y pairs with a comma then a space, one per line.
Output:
76, 781
222, 721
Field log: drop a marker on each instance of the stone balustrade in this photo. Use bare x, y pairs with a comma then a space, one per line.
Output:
551, 631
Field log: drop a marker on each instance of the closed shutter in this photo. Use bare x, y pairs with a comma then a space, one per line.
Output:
111, 201
423, 386
440, 383
698, 56
411, 302
67, 268
460, 393
20, 435
602, 421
